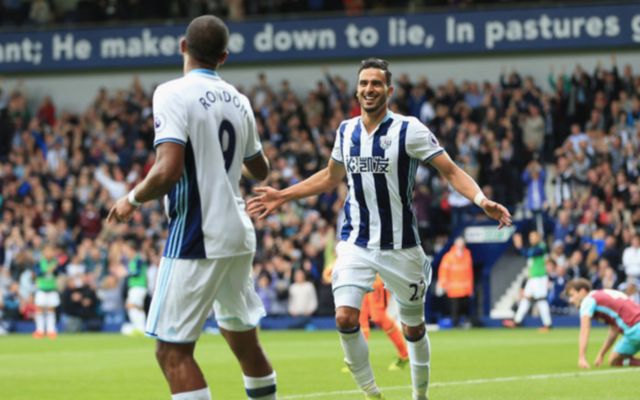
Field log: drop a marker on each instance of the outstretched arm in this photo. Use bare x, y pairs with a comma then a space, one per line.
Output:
608, 342
467, 187
269, 199
585, 329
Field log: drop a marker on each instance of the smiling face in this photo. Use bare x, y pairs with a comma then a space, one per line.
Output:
373, 90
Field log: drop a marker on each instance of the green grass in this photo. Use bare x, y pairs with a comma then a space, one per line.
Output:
101, 366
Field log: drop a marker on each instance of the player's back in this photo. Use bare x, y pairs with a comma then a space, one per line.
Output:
612, 307
215, 123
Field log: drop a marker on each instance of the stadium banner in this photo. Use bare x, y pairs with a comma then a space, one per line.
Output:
420, 35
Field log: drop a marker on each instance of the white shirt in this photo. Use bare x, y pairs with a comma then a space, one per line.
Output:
381, 171
303, 300
216, 125
631, 261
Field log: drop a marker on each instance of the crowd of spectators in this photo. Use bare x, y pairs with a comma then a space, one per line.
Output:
47, 12
566, 150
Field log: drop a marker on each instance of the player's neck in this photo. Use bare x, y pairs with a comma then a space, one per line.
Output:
190, 66
373, 119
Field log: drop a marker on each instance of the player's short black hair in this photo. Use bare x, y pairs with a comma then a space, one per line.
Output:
378, 63
207, 37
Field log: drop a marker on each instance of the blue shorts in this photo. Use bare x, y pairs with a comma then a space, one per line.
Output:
630, 342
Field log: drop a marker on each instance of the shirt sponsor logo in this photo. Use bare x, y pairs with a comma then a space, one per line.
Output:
375, 165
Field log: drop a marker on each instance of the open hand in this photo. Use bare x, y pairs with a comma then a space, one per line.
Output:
268, 200
598, 361
498, 212
583, 363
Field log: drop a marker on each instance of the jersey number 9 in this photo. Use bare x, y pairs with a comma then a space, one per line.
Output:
227, 142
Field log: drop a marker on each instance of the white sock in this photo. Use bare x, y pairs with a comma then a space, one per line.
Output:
545, 313
261, 388
51, 321
420, 361
40, 322
200, 394
137, 318
356, 356
523, 309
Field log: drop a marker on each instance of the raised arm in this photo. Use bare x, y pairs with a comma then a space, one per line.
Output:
269, 199
467, 187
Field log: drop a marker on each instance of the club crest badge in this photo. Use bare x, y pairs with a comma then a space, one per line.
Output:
385, 142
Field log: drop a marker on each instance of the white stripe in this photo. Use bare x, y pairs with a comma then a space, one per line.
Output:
171, 244
185, 197
467, 382
369, 192
162, 292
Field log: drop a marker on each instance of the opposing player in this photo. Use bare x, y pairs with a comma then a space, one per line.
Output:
205, 134
613, 308
374, 308
379, 153
537, 286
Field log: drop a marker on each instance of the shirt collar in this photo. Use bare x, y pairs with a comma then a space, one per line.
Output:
204, 71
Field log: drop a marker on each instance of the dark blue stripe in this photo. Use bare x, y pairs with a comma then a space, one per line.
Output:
382, 191
404, 176
168, 140
173, 220
348, 331
261, 392
193, 241
347, 227
432, 156
363, 232
259, 153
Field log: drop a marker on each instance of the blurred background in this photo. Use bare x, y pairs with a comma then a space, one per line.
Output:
538, 101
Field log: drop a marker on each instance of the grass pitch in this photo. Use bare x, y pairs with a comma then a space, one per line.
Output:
477, 364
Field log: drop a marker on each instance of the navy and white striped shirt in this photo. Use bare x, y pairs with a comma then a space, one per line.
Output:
381, 171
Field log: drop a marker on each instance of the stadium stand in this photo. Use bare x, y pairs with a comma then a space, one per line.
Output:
562, 152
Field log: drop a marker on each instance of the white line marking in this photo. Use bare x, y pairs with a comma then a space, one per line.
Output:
468, 382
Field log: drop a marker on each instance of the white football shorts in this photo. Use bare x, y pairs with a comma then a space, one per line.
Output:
187, 289
537, 288
47, 299
405, 272
136, 296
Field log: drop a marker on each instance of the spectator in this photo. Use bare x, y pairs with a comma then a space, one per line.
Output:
534, 178
455, 277
110, 295
631, 258
303, 300
80, 306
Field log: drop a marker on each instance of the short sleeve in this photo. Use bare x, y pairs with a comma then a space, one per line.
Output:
588, 307
421, 143
336, 153
169, 116
254, 147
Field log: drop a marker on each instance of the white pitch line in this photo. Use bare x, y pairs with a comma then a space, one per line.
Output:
468, 382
